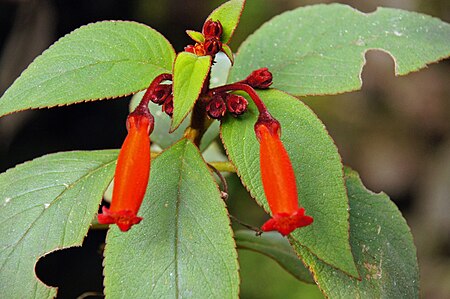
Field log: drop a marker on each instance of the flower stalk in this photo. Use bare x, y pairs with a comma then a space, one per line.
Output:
238, 86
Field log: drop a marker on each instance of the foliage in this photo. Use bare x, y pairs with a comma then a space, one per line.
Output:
359, 245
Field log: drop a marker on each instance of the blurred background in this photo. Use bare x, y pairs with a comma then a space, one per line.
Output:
395, 131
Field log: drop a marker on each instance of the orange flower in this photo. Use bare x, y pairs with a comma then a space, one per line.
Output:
278, 180
132, 172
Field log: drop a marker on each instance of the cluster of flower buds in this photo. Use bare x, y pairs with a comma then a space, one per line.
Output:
220, 103
211, 44
162, 95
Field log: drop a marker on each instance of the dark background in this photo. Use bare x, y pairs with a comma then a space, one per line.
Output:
395, 131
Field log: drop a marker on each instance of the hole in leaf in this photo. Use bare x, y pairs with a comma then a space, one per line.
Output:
77, 270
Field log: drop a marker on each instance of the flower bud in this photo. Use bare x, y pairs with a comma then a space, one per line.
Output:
260, 78
160, 93
216, 107
190, 49
167, 107
278, 180
236, 104
132, 172
212, 29
212, 46
198, 49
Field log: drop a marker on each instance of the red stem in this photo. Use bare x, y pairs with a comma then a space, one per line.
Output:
147, 96
244, 87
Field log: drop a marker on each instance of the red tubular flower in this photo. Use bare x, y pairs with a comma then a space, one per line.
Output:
278, 180
132, 172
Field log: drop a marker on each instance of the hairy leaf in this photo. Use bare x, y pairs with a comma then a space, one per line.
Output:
320, 49
97, 61
184, 245
382, 245
189, 74
196, 36
47, 204
228, 14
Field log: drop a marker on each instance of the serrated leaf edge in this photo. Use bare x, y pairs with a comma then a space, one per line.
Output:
237, 23
172, 127
76, 244
88, 99
363, 54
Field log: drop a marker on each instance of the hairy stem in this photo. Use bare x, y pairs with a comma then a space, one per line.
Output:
257, 231
199, 121
224, 191
148, 93
223, 166
198, 124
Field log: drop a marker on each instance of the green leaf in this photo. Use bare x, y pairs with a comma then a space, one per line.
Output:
196, 36
317, 166
277, 248
184, 245
320, 49
97, 61
227, 50
228, 14
47, 204
160, 134
189, 73
382, 245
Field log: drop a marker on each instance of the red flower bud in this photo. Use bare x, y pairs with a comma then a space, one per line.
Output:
212, 46
198, 49
236, 104
168, 105
278, 180
160, 93
216, 107
212, 29
132, 172
190, 49
260, 78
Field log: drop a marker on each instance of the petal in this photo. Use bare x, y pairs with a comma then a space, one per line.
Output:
124, 219
286, 223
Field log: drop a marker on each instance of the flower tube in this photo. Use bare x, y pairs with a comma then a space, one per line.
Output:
278, 179
132, 172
